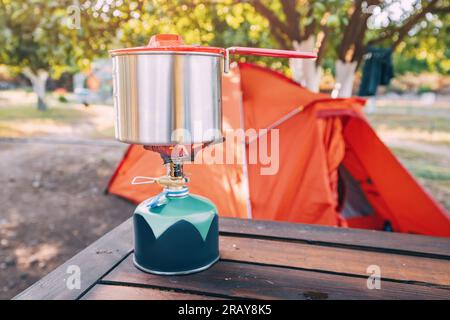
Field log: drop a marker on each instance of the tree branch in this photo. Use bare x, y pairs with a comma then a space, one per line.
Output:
292, 18
322, 45
27, 72
310, 28
442, 10
352, 47
409, 23
281, 39
274, 21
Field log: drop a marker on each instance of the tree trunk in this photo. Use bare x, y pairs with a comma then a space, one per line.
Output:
345, 75
38, 81
305, 71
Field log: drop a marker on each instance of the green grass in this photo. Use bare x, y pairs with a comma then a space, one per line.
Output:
424, 165
10, 117
431, 170
63, 115
411, 122
432, 173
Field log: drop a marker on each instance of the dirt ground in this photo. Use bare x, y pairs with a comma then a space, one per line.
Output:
53, 206
53, 173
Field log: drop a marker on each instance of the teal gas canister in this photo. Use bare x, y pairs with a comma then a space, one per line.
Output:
175, 233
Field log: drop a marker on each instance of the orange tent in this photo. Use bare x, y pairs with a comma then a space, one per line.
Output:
332, 170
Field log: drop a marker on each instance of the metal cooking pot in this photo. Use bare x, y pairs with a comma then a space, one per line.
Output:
168, 93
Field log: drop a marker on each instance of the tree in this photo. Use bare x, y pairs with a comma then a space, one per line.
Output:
343, 29
32, 41
303, 26
426, 49
376, 22
40, 38
337, 29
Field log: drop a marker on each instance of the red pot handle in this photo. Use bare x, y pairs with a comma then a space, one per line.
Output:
266, 53
271, 52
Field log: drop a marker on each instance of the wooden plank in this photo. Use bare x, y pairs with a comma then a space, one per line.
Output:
315, 234
108, 292
94, 262
241, 280
338, 260
97, 259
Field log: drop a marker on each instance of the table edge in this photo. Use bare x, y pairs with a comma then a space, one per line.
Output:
51, 286
107, 253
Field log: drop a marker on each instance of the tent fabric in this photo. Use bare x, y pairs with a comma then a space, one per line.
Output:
319, 137
399, 197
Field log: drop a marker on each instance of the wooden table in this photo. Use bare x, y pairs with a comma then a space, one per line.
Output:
265, 260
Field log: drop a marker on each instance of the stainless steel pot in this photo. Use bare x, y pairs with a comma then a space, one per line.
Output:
169, 93
164, 98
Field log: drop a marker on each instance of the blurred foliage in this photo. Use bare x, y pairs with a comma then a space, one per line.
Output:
427, 48
222, 23
55, 36
35, 33
229, 23
32, 35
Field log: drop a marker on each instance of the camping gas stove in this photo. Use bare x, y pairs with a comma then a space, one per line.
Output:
175, 232
168, 97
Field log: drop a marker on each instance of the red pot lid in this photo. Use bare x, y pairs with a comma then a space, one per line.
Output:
168, 42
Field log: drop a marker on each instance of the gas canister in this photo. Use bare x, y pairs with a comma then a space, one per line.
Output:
175, 233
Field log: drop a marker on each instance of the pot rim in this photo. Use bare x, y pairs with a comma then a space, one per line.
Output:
171, 49
115, 53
